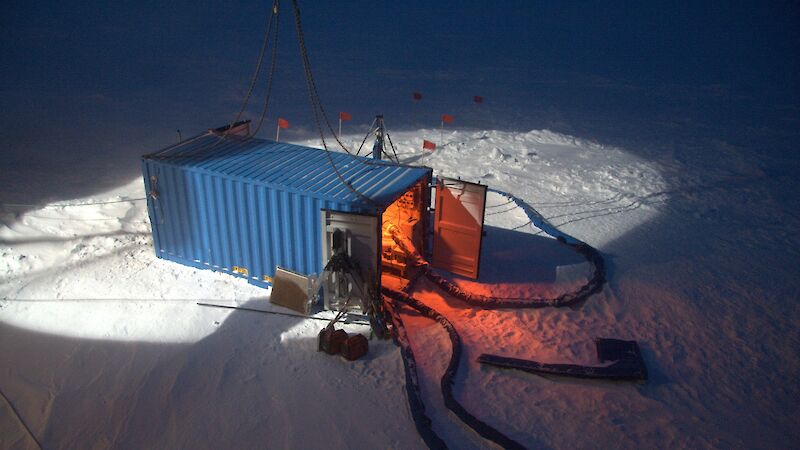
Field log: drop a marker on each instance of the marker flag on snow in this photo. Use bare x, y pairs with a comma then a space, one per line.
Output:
428, 145
447, 118
283, 123
345, 116
417, 96
478, 99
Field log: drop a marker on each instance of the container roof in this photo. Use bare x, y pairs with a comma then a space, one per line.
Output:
293, 167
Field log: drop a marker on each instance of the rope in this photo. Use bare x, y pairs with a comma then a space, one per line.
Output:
66, 205
278, 313
73, 219
394, 151
371, 129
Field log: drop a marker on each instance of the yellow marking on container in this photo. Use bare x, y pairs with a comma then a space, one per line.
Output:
268, 278
240, 270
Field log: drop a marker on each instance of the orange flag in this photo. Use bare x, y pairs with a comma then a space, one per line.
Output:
283, 123
344, 116
428, 145
447, 118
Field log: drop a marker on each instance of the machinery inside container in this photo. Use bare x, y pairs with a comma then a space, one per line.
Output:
370, 249
407, 214
388, 250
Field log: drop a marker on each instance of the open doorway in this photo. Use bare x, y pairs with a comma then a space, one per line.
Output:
408, 215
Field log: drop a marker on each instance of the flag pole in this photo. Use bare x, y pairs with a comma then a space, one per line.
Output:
278, 133
340, 125
441, 133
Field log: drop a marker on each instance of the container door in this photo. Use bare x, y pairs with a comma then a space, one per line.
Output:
458, 226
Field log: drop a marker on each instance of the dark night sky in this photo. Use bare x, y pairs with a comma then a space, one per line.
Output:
82, 80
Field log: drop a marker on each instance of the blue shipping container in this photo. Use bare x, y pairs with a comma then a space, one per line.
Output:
245, 205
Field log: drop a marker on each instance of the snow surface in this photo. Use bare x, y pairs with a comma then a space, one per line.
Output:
102, 344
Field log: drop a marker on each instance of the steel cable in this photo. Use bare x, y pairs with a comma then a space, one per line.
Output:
259, 62
317, 107
275, 9
253, 79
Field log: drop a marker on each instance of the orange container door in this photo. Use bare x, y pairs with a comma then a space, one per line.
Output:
458, 226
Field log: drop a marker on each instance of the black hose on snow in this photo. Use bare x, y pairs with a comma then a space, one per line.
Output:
448, 378
421, 420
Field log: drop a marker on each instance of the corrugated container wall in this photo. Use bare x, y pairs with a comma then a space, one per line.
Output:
245, 205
